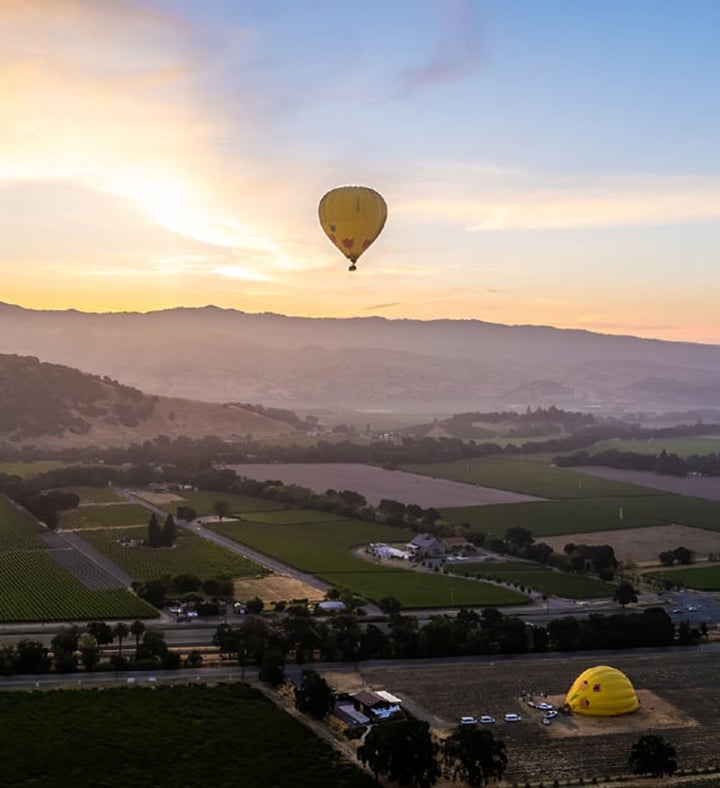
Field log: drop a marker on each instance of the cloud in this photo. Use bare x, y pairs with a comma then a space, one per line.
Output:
482, 198
383, 306
457, 51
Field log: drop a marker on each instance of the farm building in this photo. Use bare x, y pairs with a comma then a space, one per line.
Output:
376, 705
426, 546
347, 713
602, 692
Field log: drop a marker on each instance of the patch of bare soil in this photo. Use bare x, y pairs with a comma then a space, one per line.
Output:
275, 588
643, 545
698, 486
677, 693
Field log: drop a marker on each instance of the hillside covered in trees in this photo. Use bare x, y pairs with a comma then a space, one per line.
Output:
52, 406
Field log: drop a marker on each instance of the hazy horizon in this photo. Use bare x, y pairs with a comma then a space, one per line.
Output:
547, 164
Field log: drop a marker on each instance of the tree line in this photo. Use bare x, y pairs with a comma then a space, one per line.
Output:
663, 462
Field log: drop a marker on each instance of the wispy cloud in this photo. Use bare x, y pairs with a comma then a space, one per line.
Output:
383, 306
478, 198
457, 50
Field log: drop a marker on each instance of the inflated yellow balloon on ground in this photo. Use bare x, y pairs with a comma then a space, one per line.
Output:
352, 217
603, 692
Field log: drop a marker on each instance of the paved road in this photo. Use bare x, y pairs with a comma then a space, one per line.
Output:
196, 527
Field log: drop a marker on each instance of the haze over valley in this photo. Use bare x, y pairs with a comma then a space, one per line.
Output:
443, 366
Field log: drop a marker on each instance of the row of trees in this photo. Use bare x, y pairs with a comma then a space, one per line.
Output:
662, 462
161, 535
75, 646
302, 638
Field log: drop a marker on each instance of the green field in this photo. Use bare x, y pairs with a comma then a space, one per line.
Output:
203, 502
108, 515
532, 475
555, 518
539, 578
94, 494
191, 554
323, 549
18, 529
36, 588
683, 447
703, 578
164, 736
426, 590
25, 469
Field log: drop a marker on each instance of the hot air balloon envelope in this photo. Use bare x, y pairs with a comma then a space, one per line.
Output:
602, 692
352, 218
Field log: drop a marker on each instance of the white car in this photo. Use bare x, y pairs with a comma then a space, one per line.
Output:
544, 706
486, 719
512, 717
550, 714
468, 721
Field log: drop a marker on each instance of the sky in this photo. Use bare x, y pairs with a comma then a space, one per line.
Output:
549, 162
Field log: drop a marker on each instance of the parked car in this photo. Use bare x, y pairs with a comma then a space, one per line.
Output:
468, 721
544, 706
512, 717
550, 714
486, 719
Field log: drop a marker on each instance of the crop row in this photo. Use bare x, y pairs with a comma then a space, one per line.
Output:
36, 588
18, 529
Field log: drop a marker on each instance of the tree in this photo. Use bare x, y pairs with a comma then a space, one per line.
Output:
682, 555
272, 667
651, 754
121, 631
63, 647
473, 756
402, 750
169, 532
136, 630
186, 513
221, 509
89, 650
666, 558
254, 606
390, 605
102, 632
625, 594
154, 531
314, 696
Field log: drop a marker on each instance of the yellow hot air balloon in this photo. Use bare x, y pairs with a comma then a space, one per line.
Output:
602, 692
352, 217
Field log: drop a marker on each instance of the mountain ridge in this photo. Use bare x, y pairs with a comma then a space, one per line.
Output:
217, 354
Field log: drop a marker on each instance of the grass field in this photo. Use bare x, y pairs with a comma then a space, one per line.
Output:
36, 588
99, 515
532, 475
94, 494
539, 578
164, 736
25, 469
191, 555
554, 518
323, 548
703, 578
203, 502
683, 447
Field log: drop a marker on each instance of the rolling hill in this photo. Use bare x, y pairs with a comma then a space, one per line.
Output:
49, 405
